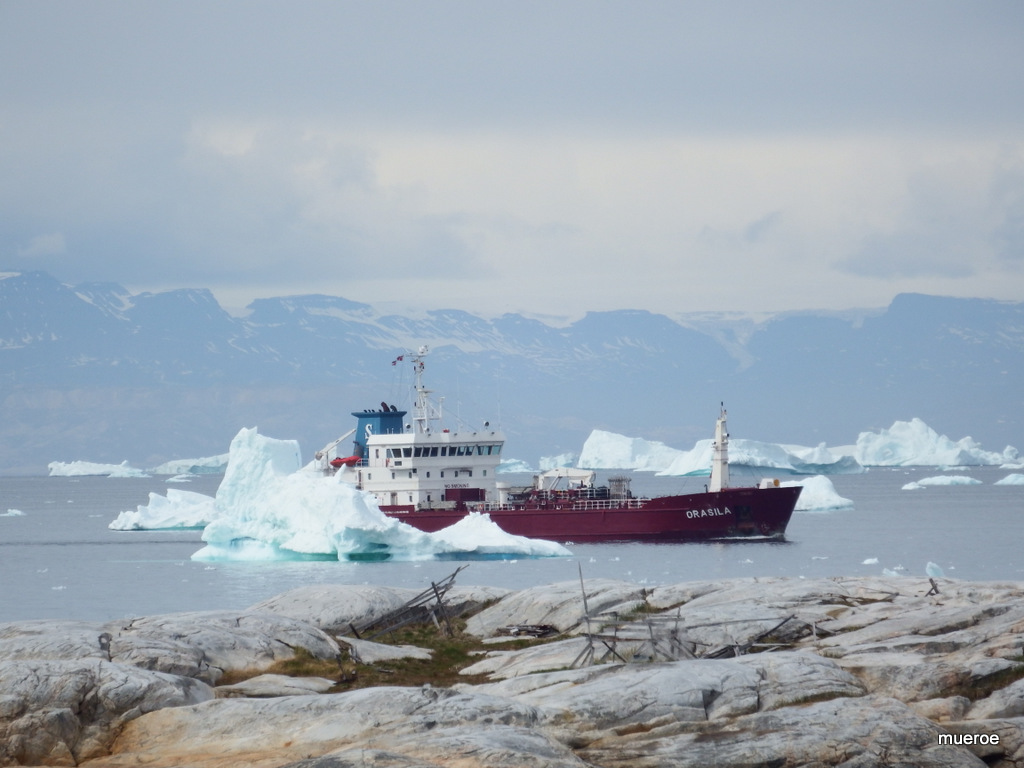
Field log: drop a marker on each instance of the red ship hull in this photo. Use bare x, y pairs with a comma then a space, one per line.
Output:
733, 513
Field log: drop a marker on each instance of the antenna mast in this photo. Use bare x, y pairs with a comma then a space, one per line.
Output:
424, 411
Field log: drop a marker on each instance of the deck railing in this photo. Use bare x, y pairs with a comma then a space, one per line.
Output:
582, 504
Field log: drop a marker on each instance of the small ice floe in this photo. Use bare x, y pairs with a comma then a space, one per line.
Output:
934, 571
13, 513
1014, 479
870, 561
941, 480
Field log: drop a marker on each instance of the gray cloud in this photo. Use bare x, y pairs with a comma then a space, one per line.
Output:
468, 148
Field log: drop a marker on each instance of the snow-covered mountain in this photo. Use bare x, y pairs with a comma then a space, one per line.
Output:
95, 372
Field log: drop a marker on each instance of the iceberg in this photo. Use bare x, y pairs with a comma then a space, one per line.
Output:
924, 482
558, 462
477, 535
818, 495
1014, 479
91, 469
607, 450
210, 465
178, 509
270, 507
906, 443
514, 465
914, 443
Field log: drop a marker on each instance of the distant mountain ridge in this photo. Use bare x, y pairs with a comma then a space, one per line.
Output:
94, 372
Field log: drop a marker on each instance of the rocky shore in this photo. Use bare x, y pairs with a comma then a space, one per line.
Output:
850, 672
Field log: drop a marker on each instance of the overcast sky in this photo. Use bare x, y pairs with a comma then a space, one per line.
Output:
545, 157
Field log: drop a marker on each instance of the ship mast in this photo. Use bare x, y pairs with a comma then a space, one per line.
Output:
720, 455
424, 411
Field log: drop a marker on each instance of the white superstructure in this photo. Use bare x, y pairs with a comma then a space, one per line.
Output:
419, 462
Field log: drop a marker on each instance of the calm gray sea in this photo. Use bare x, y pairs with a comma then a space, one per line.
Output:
58, 559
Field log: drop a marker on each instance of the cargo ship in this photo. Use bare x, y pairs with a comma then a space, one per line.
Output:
431, 477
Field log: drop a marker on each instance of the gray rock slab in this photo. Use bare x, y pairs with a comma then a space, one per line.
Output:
1003, 703
52, 639
205, 644
64, 712
863, 732
336, 606
493, 746
698, 689
263, 686
368, 652
559, 605
201, 645
501, 664
909, 677
942, 710
292, 728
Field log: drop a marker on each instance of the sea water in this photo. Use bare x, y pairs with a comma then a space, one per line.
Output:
58, 558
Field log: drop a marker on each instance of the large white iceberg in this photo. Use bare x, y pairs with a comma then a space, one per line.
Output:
914, 443
906, 443
269, 507
212, 465
91, 469
607, 450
